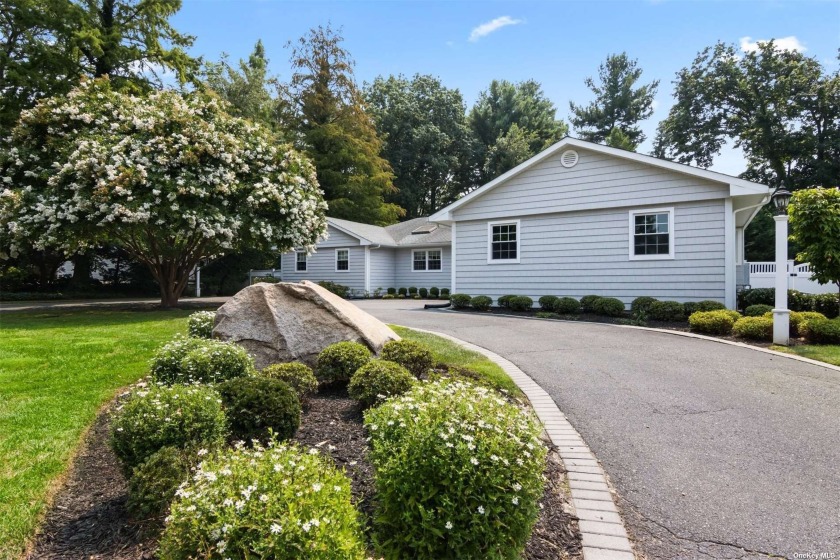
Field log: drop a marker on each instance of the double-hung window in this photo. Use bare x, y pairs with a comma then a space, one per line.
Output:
342, 260
652, 234
503, 242
427, 260
300, 261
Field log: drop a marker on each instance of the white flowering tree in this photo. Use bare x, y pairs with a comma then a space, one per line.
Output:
171, 179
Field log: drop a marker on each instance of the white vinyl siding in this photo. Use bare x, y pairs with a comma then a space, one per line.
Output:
321, 265
405, 275
382, 264
651, 234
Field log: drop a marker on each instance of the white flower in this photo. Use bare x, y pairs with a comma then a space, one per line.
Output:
316, 487
481, 510
515, 501
275, 528
473, 460
448, 525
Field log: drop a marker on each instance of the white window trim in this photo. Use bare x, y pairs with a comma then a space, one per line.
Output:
632, 232
348, 259
490, 225
411, 264
306, 258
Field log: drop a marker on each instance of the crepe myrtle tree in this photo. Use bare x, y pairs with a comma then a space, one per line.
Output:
170, 178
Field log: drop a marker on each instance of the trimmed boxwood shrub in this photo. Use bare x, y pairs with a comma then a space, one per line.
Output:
504, 301
567, 306
758, 310
392, 291
706, 305
444, 292
403, 291
214, 362
200, 324
414, 356
434, 292
338, 289
460, 301
608, 307
277, 502
827, 304
712, 322
754, 328
642, 305
796, 319
547, 303
378, 380
587, 303
153, 417
667, 311
481, 303
521, 303
412, 291
821, 331
464, 453
258, 407
423, 292
153, 482
337, 362
299, 377
755, 296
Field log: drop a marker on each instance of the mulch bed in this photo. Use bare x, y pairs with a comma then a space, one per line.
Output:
88, 519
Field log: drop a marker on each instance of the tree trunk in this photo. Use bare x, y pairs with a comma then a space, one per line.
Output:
81, 271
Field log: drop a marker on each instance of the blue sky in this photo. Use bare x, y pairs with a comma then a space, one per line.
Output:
468, 44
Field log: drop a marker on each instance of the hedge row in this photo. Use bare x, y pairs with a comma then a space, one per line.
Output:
827, 304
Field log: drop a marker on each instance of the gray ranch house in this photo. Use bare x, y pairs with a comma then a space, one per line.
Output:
581, 218
368, 258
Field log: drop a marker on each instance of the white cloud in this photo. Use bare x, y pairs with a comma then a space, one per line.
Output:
790, 43
489, 27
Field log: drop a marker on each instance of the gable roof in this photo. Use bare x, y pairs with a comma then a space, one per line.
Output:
737, 186
396, 235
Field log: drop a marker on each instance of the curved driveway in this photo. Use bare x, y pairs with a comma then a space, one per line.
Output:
716, 451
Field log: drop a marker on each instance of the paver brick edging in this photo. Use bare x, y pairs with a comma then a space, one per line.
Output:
602, 528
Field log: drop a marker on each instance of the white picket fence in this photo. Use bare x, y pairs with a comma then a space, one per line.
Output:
763, 275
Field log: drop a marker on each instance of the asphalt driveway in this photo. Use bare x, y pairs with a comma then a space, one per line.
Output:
716, 451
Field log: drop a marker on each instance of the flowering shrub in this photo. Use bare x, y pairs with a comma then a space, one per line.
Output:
300, 377
264, 503
166, 363
213, 362
260, 406
413, 356
458, 473
153, 417
200, 324
378, 380
337, 362
153, 482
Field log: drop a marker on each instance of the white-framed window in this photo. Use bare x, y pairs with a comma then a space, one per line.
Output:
342, 260
652, 234
503, 242
427, 260
300, 261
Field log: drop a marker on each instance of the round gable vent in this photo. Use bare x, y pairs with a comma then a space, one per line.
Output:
569, 158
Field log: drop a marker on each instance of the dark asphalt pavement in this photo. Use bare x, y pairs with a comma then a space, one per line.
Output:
716, 451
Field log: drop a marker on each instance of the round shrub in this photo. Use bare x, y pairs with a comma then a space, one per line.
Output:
434, 292
504, 301
521, 303
587, 303
153, 417
481, 303
460, 301
392, 291
413, 356
754, 296
758, 310
153, 482
608, 307
821, 330
796, 319
642, 305
827, 304
298, 376
402, 291
166, 363
257, 407
337, 362
800, 301
711, 322
378, 380
467, 455
276, 502
423, 292
547, 303
214, 362
412, 291
754, 328
444, 292
667, 311
389, 296
567, 306
200, 324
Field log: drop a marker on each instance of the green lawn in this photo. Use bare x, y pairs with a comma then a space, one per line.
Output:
56, 371
827, 353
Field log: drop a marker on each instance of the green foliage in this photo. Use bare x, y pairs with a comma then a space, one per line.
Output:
521, 303
412, 290
153, 417
547, 315
754, 328
423, 292
608, 307
815, 226
276, 502
338, 362
213, 362
413, 356
260, 408
467, 455
707, 305
337, 289
758, 310
642, 305
827, 304
378, 380
166, 363
200, 324
667, 311
757, 296
587, 303
392, 291
299, 377
444, 292
567, 306
797, 320
460, 301
712, 322
547, 303
481, 303
821, 331
389, 296
614, 117
403, 291
504, 301
152, 485
434, 292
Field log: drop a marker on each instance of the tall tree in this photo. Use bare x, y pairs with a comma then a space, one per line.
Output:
425, 139
815, 225
498, 108
620, 104
336, 131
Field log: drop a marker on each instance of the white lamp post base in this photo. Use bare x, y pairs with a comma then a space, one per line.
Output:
781, 326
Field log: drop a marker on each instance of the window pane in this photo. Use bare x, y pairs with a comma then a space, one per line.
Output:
419, 260
435, 260
301, 262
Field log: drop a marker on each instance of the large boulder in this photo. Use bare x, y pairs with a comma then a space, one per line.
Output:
295, 321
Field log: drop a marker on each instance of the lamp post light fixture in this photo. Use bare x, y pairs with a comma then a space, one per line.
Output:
781, 313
